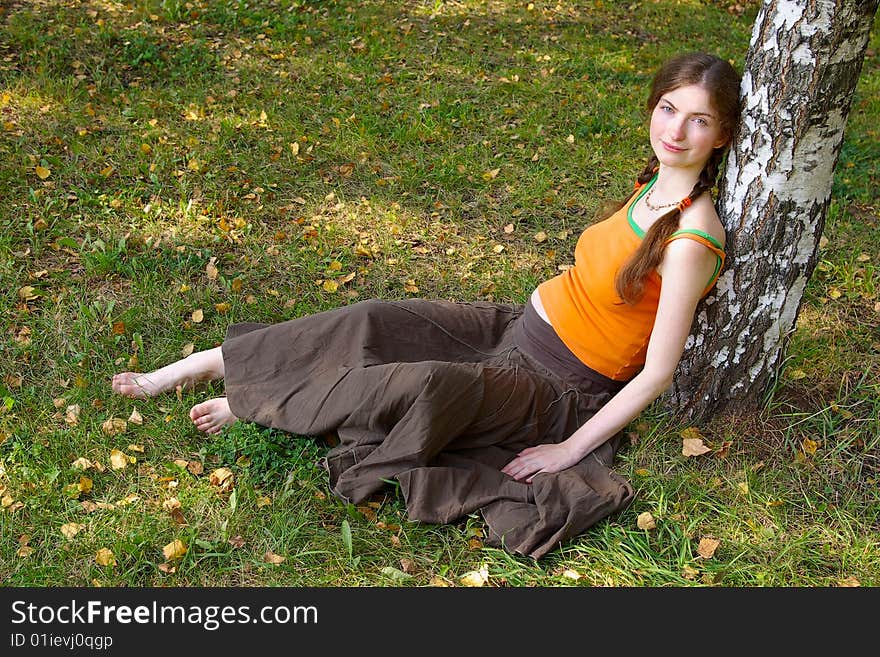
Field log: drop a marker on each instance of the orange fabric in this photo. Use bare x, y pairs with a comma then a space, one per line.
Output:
606, 334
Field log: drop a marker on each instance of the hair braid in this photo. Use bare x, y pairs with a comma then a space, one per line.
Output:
631, 279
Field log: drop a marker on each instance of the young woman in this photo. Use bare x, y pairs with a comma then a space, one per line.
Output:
515, 411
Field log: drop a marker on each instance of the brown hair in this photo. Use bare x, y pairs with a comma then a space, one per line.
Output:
722, 82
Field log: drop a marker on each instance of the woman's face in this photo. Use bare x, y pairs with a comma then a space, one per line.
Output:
685, 128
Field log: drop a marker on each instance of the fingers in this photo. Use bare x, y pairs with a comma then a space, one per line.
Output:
519, 469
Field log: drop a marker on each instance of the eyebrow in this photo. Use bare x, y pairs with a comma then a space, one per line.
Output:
667, 101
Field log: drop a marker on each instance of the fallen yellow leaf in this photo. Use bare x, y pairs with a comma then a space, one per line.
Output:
136, 418
27, 293
810, 446
198, 315
174, 550
118, 460
105, 557
475, 577
42, 172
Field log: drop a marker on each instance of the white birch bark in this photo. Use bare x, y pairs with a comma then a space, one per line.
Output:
799, 77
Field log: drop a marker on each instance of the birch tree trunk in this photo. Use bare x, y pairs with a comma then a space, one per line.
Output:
799, 77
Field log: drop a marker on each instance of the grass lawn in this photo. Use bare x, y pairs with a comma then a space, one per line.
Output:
170, 167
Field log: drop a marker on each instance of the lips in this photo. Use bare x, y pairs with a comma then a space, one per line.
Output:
672, 149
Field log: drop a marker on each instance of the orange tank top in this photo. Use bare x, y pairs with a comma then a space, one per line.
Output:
605, 333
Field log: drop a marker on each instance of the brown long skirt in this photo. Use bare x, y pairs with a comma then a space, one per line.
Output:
439, 396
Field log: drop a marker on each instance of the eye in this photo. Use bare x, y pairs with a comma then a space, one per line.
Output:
701, 122
666, 108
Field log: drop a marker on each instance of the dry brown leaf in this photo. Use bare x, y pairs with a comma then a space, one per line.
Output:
198, 316
174, 550
71, 415
211, 270
135, 417
271, 557
852, 580
707, 547
171, 503
436, 580
114, 425
105, 557
541, 237
263, 501
568, 573
187, 349
221, 477
195, 468
25, 551
236, 541
167, 568
646, 521
810, 446
82, 463
693, 447
71, 529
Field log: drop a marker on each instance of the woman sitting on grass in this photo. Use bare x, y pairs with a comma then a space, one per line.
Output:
513, 410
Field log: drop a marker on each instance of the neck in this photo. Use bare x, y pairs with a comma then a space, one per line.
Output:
675, 183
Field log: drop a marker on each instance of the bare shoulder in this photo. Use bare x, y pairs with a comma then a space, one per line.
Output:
703, 216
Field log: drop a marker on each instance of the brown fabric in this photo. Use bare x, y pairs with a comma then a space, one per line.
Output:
440, 396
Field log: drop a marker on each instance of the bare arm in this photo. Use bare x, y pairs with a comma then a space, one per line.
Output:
686, 267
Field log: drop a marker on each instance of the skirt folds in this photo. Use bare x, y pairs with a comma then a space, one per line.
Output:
439, 396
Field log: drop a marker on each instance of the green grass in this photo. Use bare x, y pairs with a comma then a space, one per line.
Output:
289, 144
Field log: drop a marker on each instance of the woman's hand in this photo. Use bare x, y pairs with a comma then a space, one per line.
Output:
540, 458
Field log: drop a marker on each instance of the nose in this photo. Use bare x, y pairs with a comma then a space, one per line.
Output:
676, 129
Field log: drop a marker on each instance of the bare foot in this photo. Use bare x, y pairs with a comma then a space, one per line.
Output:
212, 415
200, 366
140, 386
